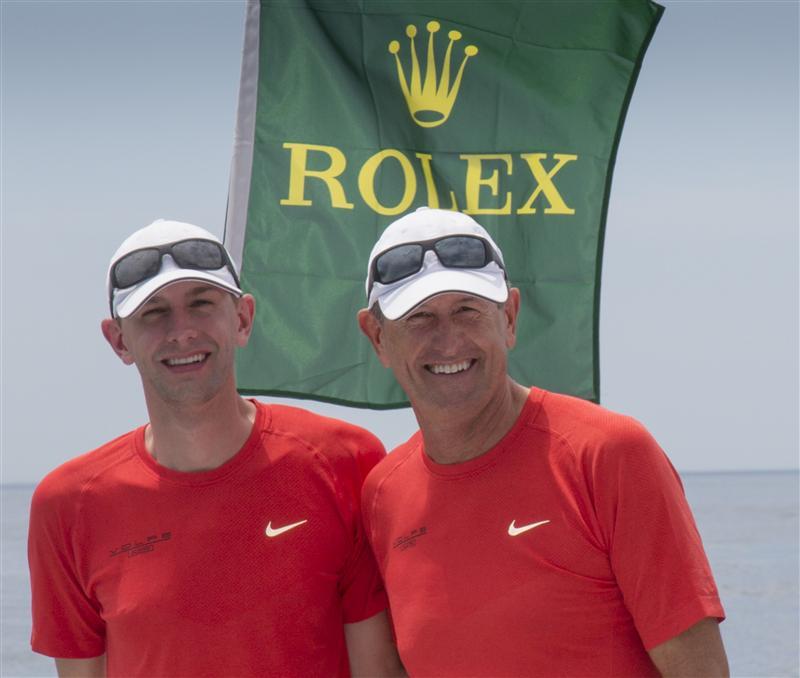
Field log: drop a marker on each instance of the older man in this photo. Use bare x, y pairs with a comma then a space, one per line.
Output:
519, 532
223, 538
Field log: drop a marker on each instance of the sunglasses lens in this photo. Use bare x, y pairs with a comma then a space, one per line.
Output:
200, 254
143, 264
398, 263
461, 252
135, 267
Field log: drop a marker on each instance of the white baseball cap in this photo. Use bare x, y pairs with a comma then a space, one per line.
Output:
124, 301
398, 298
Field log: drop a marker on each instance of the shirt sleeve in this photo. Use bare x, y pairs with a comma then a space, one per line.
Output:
66, 621
360, 585
654, 545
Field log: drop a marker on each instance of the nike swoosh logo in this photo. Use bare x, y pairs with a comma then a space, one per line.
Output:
276, 531
513, 530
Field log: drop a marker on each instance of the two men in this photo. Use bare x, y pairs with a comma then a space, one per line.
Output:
519, 532
223, 537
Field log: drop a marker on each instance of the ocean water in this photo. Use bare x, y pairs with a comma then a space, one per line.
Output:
749, 523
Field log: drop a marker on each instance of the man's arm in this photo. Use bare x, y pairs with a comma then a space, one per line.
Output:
95, 667
698, 651
370, 648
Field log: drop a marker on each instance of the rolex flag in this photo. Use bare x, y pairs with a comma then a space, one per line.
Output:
352, 113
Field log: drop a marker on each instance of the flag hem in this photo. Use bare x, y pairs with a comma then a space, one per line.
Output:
238, 205
323, 399
659, 11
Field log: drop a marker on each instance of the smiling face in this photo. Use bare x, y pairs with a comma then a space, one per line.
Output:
449, 352
182, 340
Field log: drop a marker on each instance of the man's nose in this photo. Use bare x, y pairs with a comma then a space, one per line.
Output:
447, 337
182, 326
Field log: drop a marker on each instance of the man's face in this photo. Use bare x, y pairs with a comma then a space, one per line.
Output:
183, 339
450, 351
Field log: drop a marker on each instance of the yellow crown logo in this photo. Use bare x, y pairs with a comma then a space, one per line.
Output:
430, 102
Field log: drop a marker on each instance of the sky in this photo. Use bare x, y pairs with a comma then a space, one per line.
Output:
117, 113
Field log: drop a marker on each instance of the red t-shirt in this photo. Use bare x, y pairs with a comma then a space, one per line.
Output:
568, 549
176, 574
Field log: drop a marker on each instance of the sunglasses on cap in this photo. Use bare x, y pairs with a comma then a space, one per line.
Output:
195, 253
453, 251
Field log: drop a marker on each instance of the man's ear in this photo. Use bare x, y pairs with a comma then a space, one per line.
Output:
373, 329
511, 311
245, 311
112, 331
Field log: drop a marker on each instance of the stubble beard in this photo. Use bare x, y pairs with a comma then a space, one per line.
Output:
175, 392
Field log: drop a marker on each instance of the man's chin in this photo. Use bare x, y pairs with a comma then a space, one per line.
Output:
189, 392
450, 394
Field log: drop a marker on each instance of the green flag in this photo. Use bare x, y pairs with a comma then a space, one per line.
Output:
352, 113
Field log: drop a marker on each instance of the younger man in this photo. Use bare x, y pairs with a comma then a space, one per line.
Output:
223, 537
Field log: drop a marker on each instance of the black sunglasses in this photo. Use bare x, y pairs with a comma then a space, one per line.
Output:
453, 251
194, 253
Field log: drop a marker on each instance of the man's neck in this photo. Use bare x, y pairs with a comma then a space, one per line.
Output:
454, 435
199, 436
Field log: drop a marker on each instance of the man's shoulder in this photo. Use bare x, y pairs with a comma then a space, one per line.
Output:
330, 437
396, 460
68, 481
576, 418
594, 436
588, 433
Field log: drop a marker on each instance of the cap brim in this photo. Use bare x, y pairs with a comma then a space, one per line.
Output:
131, 303
490, 285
